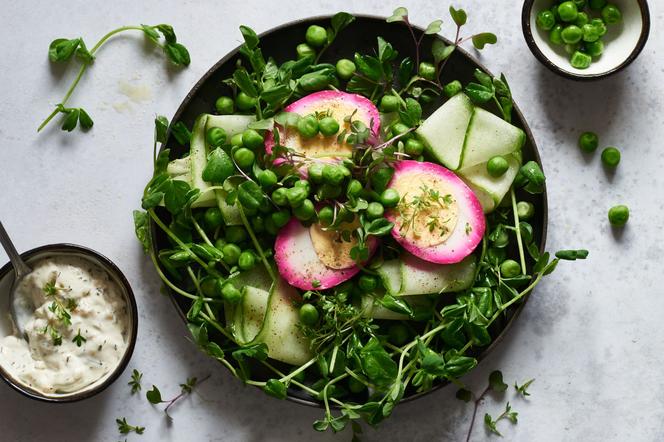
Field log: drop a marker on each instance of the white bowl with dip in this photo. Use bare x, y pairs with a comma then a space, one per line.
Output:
62, 364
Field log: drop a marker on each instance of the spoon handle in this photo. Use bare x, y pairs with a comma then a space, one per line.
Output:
20, 267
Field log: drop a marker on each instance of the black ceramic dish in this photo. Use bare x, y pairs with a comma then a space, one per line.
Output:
360, 36
7, 271
624, 42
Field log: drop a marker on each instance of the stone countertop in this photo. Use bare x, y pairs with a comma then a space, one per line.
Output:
591, 335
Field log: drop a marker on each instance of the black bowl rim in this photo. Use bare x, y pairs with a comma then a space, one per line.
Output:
537, 52
467, 55
117, 371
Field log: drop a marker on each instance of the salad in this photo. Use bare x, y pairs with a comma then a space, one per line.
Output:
334, 244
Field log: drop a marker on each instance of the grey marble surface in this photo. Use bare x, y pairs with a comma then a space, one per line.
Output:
592, 335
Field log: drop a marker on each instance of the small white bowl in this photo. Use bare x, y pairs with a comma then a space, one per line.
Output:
623, 42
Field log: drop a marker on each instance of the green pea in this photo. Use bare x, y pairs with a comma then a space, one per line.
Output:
497, 166
315, 172
224, 105
329, 191
571, 34
305, 211
501, 239
355, 386
308, 126
353, 189
399, 129
427, 70
247, 260
495, 255
346, 215
251, 139
525, 210
590, 33
244, 102
231, 253
510, 268
209, 286
570, 49
296, 196
611, 14
314, 81
452, 88
316, 36
328, 126
618, 215
389, 103
345, 68
555, 36
413, 147
267, 178
304, 50
326, 216
230, 293
308, 314
597, 4
582, 19
595, 48
389, 198
258, 223
279, 196
580, 60
213, 218
398, 334
236, 140
244, 157
545, 20
304, 184
611, 157
580, 4
588, 141
375, 210
220, 243
235, 234
600, 25
215, 136
281, 218
568, 11
333, 174
368, 283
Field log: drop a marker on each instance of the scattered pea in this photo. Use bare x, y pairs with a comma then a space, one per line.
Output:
588, 141
497, 166
581, 19
315, 172
247, 260
328, 126
591, 33
567, 11
309, 314
399, 129
230, 293
545, 20
316, 36
611, 156
308, 126
452, 88
510, 268
304, 50
555, 36
595, 48
212, 218
571, 34
305, 211
618, 215
389, 103
280, 218
231, 253
244, 102
427, 70
279, 196
368, 283
326, 216
244, 157
389, 198
611, 14
333, 174
580, 60
215, 136
354, 188
224, 105
235, 234
375, 210
413, 147
236, 140
345, 68
251, 139
296, 196
267, 178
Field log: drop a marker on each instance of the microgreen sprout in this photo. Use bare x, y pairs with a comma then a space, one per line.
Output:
125, 428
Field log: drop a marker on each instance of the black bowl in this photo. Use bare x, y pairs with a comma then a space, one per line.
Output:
360, 36
624, 41
7, 271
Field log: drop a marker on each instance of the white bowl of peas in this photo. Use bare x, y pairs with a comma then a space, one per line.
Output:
586, 39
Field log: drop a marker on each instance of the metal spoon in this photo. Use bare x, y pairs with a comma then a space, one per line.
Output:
21, 270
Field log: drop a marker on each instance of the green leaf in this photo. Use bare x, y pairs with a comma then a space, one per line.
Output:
321, 425
368, 66
572, 255
84, 119
412, 114
399, 14
161, 128
175, 196
541, 263
181, 133
377, 365
150, 33
531, 178
457, 365
244, 82
483, 39
153, 396
484, 79
385, 50
434, 27
141, 228
491, 424
167, 31
395, 304
213, 350
250, 195
523, 389
177, 54
275, 388
339, 21
459, 16
83, 54
464, 395
379, 227
250, 37
496, 381
71, 120
152, 200
479, 93
62, 49
405, 70
441, 51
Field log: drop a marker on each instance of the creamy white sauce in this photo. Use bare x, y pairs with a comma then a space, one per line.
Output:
97, 309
